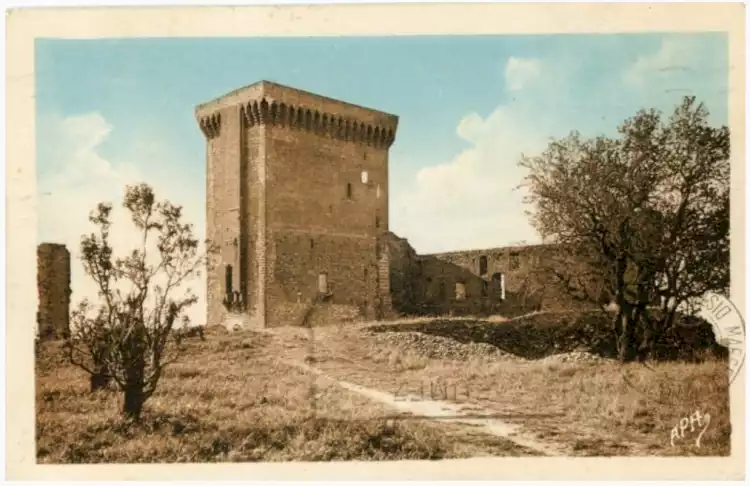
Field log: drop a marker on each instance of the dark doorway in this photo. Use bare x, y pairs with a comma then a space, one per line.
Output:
483, 265
228, 280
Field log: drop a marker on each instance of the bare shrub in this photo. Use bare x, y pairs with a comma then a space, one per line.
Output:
127, 336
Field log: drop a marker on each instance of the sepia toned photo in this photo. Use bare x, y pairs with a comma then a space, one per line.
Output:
360, 247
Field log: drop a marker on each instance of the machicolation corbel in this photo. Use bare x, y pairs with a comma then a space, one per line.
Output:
323, 124
211, 125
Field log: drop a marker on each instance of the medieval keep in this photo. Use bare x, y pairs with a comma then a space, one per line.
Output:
297, 205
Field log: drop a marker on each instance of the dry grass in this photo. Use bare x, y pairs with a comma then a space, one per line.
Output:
230, 400
595, 408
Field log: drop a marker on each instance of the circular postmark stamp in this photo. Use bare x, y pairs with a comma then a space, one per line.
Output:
728, 328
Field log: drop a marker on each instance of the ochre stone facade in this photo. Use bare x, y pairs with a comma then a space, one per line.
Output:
508, 281
53, 287
297, 206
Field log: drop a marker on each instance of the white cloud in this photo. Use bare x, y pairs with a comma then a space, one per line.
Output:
519, 72
471, 201
675, 57
77, 178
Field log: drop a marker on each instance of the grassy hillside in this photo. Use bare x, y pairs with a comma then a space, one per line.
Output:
235, 397
229, 399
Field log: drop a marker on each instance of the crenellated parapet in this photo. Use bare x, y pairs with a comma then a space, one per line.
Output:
210, 125
271, 104
320, 123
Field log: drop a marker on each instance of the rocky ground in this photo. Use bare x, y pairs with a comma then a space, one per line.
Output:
438, 347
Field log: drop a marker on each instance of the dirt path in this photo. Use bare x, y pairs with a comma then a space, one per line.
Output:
444, 411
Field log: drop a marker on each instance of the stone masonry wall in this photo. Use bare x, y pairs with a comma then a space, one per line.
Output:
297, 189
469, 282
53, 286
323, 219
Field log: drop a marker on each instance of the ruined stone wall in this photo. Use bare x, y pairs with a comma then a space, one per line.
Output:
306, 199
53, 286
529, 274
508, 281
405, 275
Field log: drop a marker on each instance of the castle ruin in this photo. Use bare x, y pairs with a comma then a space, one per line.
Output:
297, 208
53, 287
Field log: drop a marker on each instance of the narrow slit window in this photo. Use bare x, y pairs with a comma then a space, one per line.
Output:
514, 261
323, 283
498, 284
483, 265
228, 280
348, 190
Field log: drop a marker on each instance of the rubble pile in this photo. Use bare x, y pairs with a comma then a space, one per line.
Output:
573, 357
437, 347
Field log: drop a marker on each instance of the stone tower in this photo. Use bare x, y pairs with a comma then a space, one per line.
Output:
53, 285
296, 206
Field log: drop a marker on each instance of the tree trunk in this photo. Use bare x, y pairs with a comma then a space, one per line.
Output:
646, 344
625, 337
133, 402
98, 382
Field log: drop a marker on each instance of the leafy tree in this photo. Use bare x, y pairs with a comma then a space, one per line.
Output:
126, 336
645, 216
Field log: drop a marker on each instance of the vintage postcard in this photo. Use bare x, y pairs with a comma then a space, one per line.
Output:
505, 241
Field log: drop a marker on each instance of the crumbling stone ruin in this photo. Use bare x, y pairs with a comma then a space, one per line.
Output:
53, 286
297, 206
509, 281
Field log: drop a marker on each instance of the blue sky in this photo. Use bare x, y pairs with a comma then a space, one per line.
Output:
121, 110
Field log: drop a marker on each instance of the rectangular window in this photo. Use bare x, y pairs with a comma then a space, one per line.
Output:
348, 190
323, 283
483, 265
460, 291
514, 261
